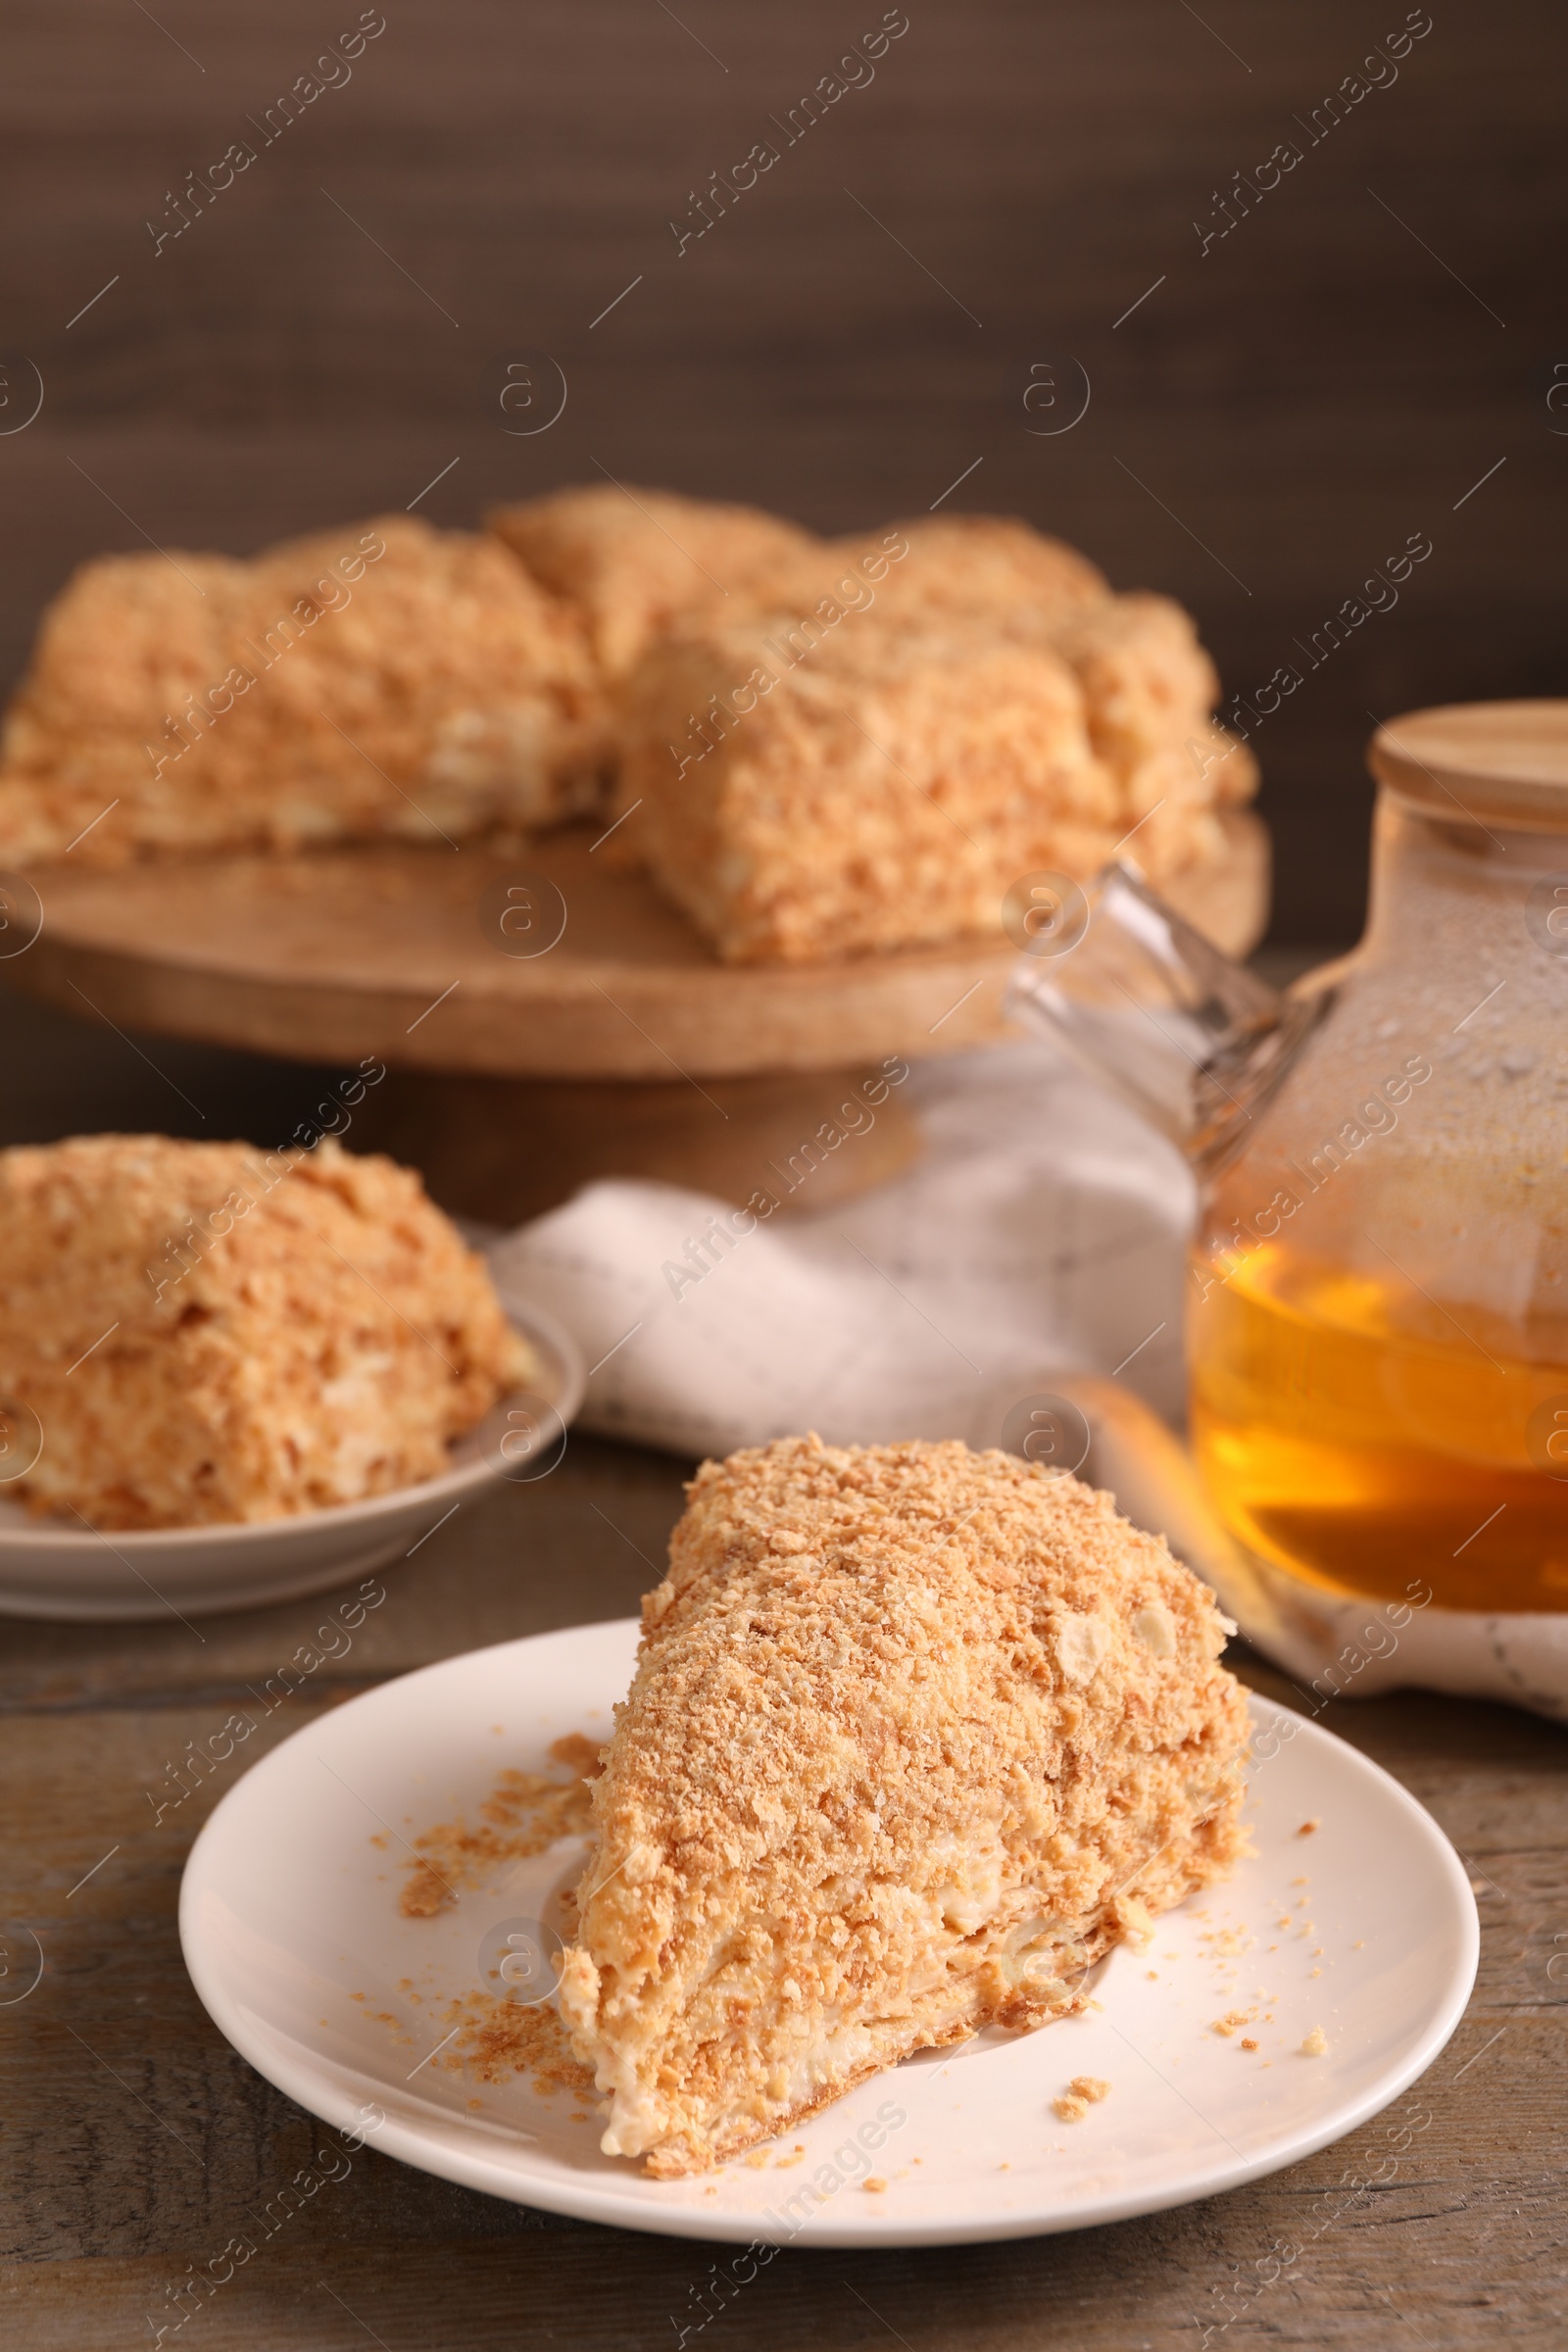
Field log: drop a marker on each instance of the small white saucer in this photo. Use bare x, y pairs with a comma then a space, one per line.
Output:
57, 1567
292, 1934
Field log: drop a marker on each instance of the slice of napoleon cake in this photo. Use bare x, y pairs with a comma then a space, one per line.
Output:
915, 1736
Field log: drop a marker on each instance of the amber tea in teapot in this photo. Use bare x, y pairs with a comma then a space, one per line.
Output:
1377, 1321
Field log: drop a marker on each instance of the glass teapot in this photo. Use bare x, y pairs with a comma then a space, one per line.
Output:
1377, 1319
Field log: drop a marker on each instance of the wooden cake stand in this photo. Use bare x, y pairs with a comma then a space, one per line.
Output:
623, 1047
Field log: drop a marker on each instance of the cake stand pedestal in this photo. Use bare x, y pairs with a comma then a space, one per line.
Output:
620, 1048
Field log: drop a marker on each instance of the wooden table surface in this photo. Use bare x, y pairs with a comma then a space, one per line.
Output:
136, 2141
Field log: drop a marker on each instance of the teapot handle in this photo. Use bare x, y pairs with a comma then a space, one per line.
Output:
1137, 996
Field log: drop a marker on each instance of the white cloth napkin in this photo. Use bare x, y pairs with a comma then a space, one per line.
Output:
1042, 1228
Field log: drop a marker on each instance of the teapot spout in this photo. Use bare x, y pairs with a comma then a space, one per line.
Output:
1140, 998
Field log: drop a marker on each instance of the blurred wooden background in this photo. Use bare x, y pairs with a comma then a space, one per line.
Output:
334, 329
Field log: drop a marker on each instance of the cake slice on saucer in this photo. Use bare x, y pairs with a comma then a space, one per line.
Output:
915, 1736
207, 1333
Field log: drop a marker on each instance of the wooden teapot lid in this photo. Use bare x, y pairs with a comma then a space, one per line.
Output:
1494, 761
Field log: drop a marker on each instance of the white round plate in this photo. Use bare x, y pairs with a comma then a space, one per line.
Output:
288, 1911
56, 1567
